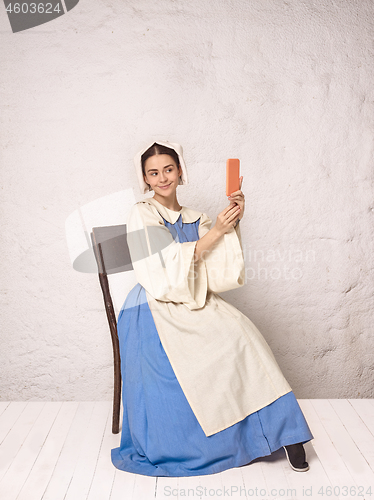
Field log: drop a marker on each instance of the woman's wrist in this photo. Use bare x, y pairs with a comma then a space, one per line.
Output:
205, 243
216, 234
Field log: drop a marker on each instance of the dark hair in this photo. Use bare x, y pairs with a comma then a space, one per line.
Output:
157, 149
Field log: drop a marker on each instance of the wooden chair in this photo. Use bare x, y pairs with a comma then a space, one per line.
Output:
112, 256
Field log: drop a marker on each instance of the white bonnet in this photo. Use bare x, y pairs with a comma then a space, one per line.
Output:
183, 179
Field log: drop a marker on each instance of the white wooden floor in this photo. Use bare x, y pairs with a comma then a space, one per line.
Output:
61, 450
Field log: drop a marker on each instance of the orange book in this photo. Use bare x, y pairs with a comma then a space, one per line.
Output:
232, 175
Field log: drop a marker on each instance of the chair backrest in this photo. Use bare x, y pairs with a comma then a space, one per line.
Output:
113, 259
111, 249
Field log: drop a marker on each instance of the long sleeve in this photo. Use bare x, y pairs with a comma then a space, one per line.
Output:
164, 267
224, 262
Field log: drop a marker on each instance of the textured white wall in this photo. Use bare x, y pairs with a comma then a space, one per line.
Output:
286, 86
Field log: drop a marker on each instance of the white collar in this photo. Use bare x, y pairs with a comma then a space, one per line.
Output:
188, 214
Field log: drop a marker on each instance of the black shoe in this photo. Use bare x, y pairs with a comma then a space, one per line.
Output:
295, 454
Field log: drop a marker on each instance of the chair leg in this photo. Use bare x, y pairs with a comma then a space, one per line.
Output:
117, 390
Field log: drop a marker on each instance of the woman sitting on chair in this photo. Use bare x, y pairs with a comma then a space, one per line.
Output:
202, 391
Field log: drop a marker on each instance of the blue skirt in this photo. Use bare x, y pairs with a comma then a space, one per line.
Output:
160, 433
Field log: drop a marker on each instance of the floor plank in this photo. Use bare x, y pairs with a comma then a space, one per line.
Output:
123, 486
273, 472
188, 487
16, 475
167, 487
9, 416
232, 482
102, 483
327, 445
365, 409
69, 456
316, 477
210, 485
17, 434
3, 406
44, 465
144, 487
358, 431
79, 486
358, 467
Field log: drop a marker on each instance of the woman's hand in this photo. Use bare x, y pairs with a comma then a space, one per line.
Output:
227, 218
237, 198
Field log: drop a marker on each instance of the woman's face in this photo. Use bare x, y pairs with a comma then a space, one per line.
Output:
162, 174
